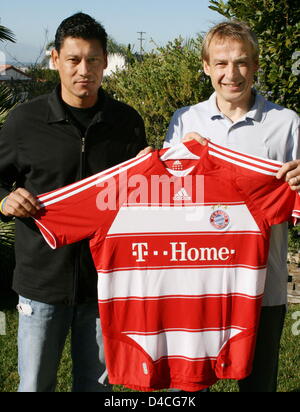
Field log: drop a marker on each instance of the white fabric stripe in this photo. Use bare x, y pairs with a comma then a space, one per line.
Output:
251, 159
181, 267
86, 180
244, 165
174, 205
148, 219
184, 234
95, 182
137, 299
179, 151
157, 332
186, 359
50, 239
180, 173
188, 282
191, 345
68, 188
187, 204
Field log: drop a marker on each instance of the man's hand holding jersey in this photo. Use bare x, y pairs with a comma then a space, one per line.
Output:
20, 203
290, 170
187, 137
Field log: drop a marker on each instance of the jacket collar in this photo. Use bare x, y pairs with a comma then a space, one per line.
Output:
57, 112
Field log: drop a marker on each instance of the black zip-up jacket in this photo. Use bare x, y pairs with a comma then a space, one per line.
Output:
42, 150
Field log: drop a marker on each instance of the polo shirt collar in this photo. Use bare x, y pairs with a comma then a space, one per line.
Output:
214, 110
257, 110
255, 113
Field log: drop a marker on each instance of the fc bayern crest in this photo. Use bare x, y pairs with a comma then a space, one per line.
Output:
219, 219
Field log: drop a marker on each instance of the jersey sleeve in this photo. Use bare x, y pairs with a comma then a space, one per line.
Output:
77, 211
273, 200
81, 209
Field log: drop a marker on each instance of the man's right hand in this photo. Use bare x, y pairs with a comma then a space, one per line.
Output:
145, 151
20, 203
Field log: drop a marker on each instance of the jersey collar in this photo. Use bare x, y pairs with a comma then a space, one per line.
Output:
191, 150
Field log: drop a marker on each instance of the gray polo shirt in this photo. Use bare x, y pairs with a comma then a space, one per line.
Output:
267, 130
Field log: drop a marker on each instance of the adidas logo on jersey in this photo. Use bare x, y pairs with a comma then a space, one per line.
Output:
182, 195
177, 165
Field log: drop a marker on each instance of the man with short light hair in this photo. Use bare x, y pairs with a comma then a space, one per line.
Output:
238, 117
238, 31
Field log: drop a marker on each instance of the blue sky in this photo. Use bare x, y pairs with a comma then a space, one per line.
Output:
162, 20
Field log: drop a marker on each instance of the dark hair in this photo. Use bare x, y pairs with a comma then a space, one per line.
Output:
82, 26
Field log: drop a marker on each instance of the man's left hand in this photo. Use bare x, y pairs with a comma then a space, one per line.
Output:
291, 172
145, 151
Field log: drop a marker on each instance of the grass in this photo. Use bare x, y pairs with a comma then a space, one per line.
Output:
288, 379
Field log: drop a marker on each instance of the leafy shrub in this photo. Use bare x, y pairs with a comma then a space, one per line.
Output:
7, 102
164, 80
43, 81
277, 25
294, 240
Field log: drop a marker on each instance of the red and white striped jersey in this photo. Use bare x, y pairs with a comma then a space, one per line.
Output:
180, 241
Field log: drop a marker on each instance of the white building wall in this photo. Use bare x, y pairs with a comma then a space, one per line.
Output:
11, 74
115, 62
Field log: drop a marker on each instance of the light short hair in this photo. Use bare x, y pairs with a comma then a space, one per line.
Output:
235, 30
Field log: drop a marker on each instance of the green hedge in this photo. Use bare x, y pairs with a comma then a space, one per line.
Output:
277, 25
161, 82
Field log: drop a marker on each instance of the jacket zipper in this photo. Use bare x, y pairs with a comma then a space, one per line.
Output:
77, 258
82, 144
82, 169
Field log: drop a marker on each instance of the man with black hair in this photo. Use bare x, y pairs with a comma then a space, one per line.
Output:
49, 142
